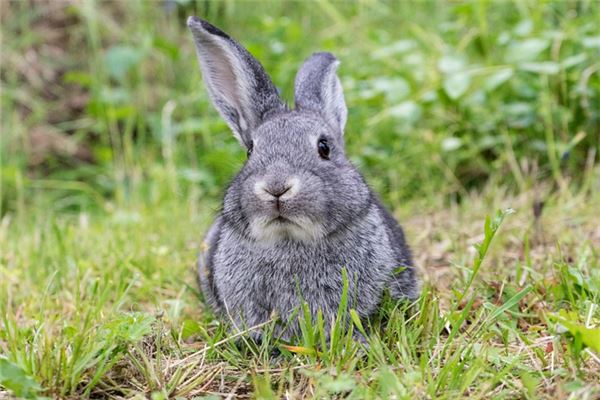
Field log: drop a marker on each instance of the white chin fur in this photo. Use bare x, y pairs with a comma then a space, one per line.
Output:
303, 229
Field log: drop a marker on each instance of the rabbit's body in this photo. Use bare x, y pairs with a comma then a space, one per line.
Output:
298, 213
249, 283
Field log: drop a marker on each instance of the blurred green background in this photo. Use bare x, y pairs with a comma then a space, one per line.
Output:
103, 104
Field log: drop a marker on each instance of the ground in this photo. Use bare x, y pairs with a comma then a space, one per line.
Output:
108, 305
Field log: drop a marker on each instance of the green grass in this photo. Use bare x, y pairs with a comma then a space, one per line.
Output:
113, 161
106, 305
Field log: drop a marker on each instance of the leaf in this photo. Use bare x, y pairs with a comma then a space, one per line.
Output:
498, 78
546, 67
510, 302
451, 143
591, 42
262, 387
195, 175
167, 47
407, 111
15, 379
455, 85
526, 50
574, 386
342, 383
79, 77
357, 322
451, 63
401, 46
130, 327
524, 27
120, 59
518, 109
190, 327
137, 325
588, 336
530, 383
300, 350
394, 89
114, 96
574, 60
389, 384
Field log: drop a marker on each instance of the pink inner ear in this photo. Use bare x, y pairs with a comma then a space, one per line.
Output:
238, 85
226, 80
222, 77
317, 87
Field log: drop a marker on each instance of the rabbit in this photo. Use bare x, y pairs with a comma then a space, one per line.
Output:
298, 212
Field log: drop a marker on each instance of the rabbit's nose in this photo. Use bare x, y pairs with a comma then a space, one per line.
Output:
277, 191
269, 191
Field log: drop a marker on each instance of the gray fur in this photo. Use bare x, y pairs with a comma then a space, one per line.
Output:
252, 264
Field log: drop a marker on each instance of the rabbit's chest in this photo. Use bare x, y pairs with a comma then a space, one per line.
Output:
277, 279
267, 274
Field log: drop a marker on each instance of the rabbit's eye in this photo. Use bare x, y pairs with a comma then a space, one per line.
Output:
250, 148
323, 148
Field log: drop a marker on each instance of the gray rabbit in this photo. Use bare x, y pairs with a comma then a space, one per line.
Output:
298, 212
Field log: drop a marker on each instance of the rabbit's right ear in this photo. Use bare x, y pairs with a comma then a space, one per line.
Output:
318, 88
237, 84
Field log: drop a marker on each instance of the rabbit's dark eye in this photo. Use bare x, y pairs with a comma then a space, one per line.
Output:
323, 148
250, 148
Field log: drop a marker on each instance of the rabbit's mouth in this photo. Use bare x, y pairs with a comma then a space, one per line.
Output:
280, 227
283, 221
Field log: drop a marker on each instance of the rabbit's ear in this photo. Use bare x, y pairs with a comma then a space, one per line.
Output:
318, 88
237, 84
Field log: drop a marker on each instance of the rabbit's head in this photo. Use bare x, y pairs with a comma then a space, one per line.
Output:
296, 183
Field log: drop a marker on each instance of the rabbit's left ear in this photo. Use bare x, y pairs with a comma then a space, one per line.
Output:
318, 88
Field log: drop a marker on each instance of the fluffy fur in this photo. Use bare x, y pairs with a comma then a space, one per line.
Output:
292, 220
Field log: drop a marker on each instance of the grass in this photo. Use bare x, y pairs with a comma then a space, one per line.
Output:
112, 164
106, 305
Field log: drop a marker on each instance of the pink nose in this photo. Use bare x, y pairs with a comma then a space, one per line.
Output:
277, 191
